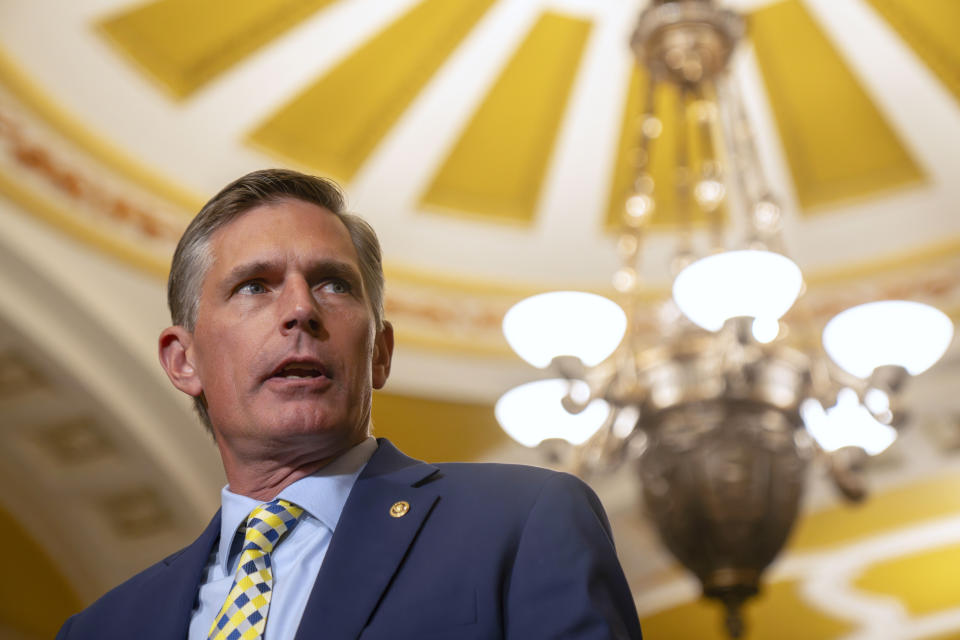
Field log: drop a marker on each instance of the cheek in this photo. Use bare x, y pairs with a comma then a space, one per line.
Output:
365, 350
214, 374
222, 359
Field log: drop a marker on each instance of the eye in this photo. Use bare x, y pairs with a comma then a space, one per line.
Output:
254, 287
336, 286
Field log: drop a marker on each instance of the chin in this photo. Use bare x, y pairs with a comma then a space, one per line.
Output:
325, 427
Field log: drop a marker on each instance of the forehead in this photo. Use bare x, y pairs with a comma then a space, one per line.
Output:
285, 229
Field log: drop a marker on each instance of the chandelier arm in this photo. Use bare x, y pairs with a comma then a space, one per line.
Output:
685, 252
845, 467
738, 196
824, 376
710, 189
639, 203
580, 393
890, 381
752, 170
603, 452
650, 126
568, 367
761, 209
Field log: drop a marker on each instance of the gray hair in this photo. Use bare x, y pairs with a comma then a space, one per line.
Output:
192, 258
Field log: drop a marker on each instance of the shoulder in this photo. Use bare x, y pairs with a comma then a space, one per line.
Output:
131, 598
494, 472
491, 476
122, 611
477, 479
549, 535
523, 486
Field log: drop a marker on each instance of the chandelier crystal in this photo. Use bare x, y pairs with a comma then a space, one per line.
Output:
722, 416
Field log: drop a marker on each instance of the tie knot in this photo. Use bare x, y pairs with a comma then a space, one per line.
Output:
268, 522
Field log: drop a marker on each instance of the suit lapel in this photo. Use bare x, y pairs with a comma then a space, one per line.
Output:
369, 544
180, 581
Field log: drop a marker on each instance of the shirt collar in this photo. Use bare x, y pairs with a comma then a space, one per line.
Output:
322, 495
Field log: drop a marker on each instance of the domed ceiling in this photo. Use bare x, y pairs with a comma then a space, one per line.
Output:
489, 142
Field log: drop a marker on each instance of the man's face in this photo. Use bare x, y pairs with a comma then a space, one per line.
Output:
285, 347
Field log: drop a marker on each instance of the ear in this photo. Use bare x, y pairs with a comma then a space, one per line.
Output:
176, 358
382, 355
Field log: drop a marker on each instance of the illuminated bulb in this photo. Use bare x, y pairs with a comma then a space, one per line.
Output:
765, 329
579, 391
766, 216
626, 421
532, 413
709, 194
652, 127
848, 423
628, 245
571, 323
755, 284
876, 401
892, 332
625, 279
638, 206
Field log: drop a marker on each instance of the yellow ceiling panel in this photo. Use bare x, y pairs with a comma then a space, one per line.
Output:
837, 143
930, 27
186, 43
884, 511
498, 165
334, 124
35, 598
662, 151
950, 635
924, 582
437, 430
778, 613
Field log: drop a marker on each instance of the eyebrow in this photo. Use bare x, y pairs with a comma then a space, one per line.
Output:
315, 270
245, 271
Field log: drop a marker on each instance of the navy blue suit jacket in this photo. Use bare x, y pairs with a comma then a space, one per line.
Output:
485, 551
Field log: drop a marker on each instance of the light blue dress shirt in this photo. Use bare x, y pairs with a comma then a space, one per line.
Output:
296, 560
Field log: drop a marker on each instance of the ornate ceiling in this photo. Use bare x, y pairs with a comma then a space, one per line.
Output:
488, 141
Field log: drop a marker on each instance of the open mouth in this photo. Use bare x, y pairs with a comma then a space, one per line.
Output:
299, 371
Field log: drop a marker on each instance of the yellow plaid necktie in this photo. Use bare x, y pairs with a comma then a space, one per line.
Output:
244, 614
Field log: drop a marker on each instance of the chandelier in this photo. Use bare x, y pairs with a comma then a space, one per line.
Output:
722, 415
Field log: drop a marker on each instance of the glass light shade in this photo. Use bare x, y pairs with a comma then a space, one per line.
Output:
532, 412
757, 284
848, 423
892, 332
564, 323
765, 330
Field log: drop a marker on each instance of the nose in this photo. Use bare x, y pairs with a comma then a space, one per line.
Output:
300, 310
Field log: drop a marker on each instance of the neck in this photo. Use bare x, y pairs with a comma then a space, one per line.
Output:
263, 476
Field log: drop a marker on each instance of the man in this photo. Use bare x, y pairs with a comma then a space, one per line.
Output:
276, 297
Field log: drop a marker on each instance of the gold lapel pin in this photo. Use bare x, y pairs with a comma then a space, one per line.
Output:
399, 509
